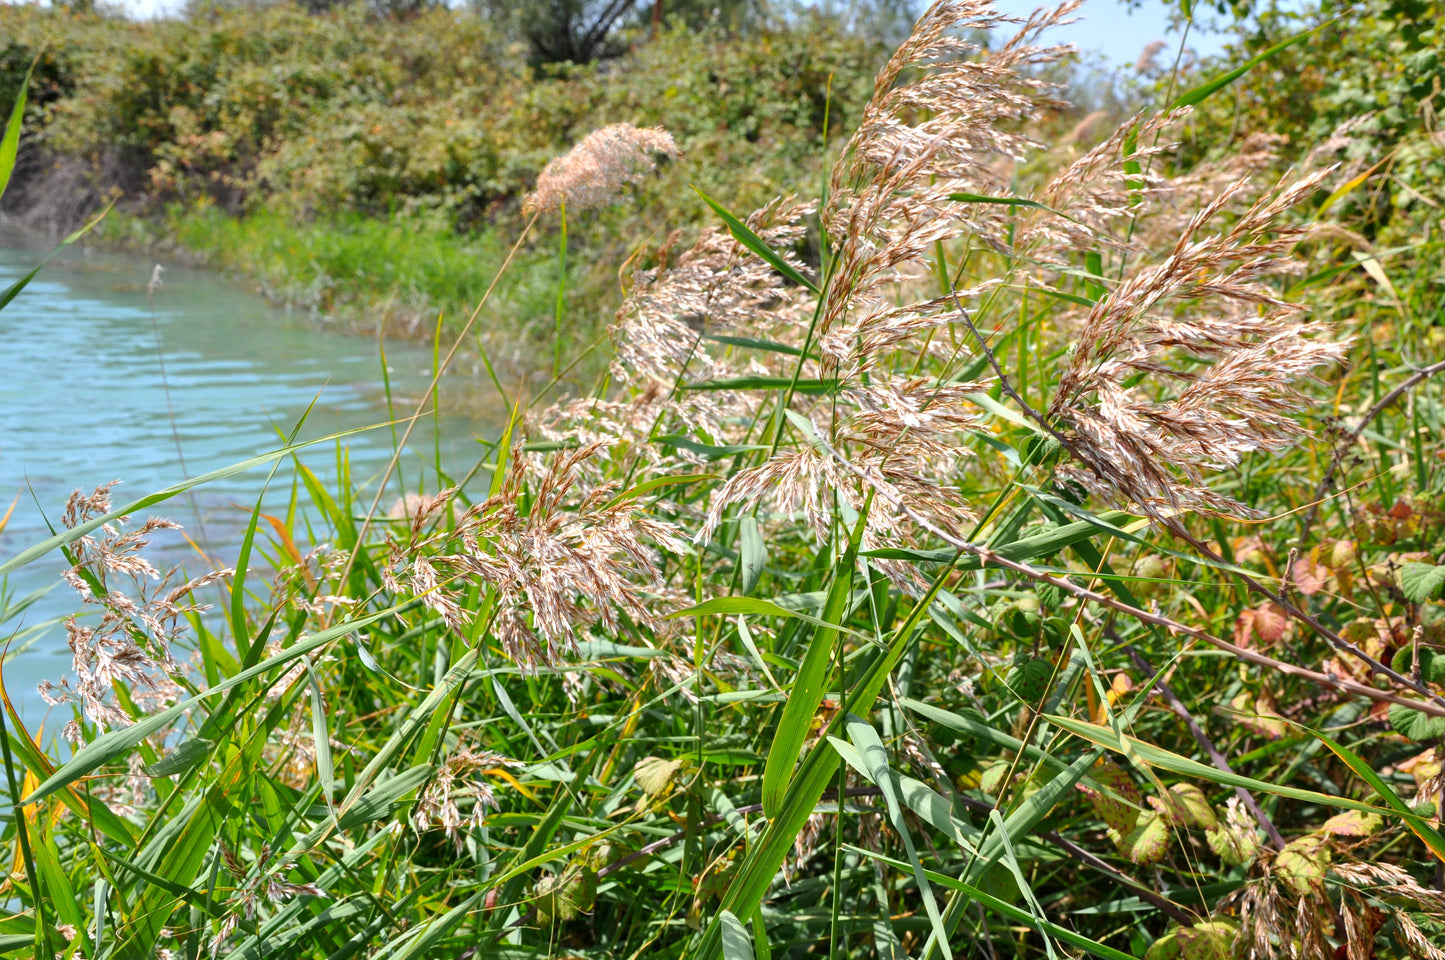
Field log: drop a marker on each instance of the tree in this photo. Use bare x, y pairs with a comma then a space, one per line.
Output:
565, 30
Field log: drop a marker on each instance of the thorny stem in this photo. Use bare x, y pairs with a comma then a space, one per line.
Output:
990, 558
426, 398
1420, 375
1203, 740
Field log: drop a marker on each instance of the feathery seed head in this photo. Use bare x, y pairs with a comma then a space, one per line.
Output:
593, 173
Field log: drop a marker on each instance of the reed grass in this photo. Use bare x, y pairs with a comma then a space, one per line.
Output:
937, 570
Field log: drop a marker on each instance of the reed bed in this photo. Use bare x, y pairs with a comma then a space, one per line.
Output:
1014, 550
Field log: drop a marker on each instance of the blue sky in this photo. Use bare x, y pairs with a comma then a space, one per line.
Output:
1108, 27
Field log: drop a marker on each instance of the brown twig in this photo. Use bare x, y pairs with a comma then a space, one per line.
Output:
1294, 612
1202, 738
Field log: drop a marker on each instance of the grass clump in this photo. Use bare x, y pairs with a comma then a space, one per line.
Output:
1018, 550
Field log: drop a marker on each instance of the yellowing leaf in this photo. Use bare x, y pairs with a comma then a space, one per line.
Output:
1302, 864
1353, 823
655, 775
1147, 842
1186, 806
1212, 940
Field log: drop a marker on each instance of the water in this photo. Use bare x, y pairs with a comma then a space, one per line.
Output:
83, 402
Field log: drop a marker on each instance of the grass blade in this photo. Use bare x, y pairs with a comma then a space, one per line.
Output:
742, 234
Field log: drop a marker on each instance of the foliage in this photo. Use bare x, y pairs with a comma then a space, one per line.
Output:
996, 557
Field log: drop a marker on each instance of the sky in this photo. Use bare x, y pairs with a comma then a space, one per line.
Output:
1108, 27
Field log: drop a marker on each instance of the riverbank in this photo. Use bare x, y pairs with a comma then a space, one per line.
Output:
370, 174
401, 277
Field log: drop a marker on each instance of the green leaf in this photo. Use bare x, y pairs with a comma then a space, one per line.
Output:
754, 553
736, 944
742, 234
1154, 756
1191, 97
870, 759
10, 145
1302, 864
759, 607
117, 743
805, 386
759, 868
809, 684
1186, 806
706, 450
34, 552
1415, 725
753, 343
656, 775
647, 486
1211, 940
182, 758
1418, 825
1422, 581
1010, 911
14, 289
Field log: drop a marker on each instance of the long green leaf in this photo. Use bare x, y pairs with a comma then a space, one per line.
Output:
1418, 825
1009, 910
871, 760
1184, 767
32, 553
742, 234
117, 743
809, 684
1191, 97
10, 145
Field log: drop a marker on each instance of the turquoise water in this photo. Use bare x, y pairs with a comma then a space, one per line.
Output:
83, 401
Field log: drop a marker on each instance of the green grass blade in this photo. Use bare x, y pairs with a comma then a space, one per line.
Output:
742, 234
1009, 910
871, 760
32, 553
1199, 93
736, 944
10, 145
809, 684
752, 551
117, 743
1418, 825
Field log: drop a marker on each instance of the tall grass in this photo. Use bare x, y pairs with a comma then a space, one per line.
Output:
987, 559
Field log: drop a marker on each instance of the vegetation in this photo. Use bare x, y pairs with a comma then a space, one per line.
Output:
330, 133
1007, 548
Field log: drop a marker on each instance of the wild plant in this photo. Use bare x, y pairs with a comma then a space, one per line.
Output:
814, 627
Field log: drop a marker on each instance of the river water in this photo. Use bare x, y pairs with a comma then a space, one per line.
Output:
101, 381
